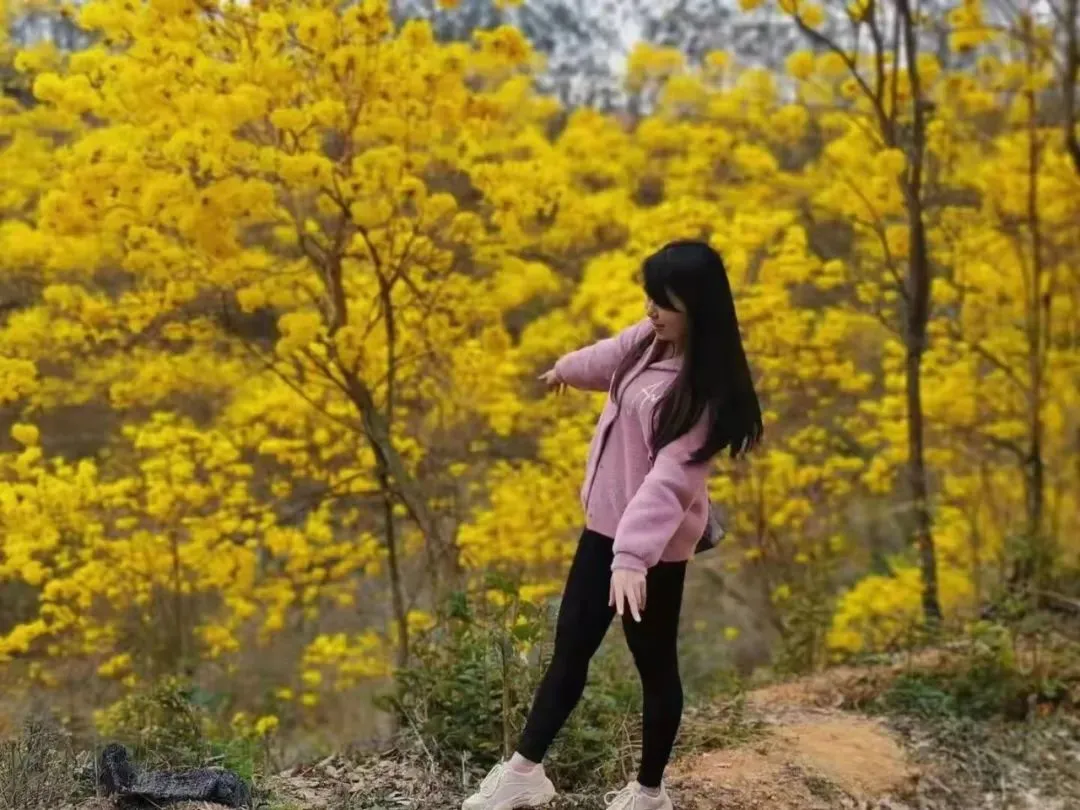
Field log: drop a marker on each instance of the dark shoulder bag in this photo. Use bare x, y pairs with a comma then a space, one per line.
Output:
714, 531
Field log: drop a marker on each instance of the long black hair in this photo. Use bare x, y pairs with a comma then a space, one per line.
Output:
715, 376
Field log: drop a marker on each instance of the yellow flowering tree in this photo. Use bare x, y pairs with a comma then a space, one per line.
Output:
291, 228
290, 269
1011, 354
965, 353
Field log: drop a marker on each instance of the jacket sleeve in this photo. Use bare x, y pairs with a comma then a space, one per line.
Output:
658, 508
591, 368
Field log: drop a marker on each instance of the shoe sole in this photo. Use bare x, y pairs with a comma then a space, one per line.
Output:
542, 800
539, 800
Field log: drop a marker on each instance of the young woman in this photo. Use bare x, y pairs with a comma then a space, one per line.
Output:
679, 393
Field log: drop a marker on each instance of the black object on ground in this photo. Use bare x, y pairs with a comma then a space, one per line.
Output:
119, 777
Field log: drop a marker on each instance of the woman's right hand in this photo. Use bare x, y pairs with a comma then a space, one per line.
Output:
550, 378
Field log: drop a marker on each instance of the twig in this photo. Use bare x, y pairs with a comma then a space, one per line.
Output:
1059, 601
420, 739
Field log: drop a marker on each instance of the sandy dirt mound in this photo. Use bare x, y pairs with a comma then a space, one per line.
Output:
806, 760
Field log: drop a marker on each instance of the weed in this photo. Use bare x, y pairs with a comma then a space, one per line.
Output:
37, 768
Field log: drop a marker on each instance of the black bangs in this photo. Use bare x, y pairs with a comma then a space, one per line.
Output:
658, 283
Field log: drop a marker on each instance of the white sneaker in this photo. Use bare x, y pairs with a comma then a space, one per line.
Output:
505, 789
633, 797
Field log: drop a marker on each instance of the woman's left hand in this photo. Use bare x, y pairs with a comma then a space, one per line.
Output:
627, 589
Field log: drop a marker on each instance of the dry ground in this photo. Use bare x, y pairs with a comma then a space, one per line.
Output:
810, 754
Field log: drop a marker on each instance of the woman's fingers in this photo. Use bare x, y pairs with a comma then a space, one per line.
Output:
627, 592
551, 380
622, 598
552, 383
632, 599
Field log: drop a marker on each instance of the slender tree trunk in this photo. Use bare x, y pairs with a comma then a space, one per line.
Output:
397, 595
923, 528
1035, 556
176, 654
1071, 78
976, 560
916, 318
393, 566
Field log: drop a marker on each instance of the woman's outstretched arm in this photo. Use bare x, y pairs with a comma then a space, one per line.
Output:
591, 368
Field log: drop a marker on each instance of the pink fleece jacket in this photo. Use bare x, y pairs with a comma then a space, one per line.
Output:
655, 508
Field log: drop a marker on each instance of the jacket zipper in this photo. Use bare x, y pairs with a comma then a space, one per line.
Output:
596, 469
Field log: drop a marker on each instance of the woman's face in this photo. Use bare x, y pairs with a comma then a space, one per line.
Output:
669, 324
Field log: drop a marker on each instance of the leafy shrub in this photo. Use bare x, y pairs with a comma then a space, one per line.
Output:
174, 724
468, 691
987, 680
805, 618
919, 695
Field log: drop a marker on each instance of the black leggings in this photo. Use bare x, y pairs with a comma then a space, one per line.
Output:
584, 618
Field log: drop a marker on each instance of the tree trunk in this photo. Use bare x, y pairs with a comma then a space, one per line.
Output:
393, 566
397, 594
922, 522
1035, 556
1070, 79
176, 654
916, 318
